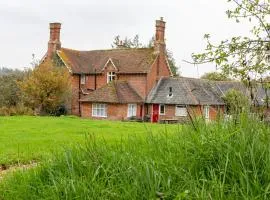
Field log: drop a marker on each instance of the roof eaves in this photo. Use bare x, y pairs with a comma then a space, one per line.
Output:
59, 54
43, 58
150, 68
168, 65
142, 72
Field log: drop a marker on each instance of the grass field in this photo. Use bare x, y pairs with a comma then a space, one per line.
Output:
26, 138
220, 160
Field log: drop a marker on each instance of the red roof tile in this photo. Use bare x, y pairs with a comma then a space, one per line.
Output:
126, 60
114, 92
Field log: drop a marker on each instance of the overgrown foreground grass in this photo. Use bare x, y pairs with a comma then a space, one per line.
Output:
216, 161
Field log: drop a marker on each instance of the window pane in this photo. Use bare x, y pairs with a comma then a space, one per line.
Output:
206, 112
161, 109
181, 111
110, 76
99, 110
132, 109
82, 79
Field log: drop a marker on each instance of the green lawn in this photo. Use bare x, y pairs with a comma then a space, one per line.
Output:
29, 138
219, 160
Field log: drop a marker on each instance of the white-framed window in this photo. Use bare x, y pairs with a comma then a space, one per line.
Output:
132, 110
110, 76
82, 79
161, 109
180, 111
206, 112
99, 110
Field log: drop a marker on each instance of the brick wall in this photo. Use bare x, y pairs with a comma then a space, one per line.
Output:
86, 109
101, 80
137, 81
194, 111
158, 69
163, 66
215, 111
75, 80
170, 113
114, 111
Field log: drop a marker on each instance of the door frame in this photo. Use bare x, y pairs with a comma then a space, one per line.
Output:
152, 117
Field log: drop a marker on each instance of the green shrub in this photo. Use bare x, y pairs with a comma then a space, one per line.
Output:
216, 161
236, 102
19, 109
4, 111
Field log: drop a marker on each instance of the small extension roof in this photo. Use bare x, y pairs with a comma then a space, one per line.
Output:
114, 92
185, 91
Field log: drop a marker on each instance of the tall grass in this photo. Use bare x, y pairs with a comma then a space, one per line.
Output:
215, 161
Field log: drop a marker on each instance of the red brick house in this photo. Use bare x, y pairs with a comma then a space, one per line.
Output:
121, 83
99, 77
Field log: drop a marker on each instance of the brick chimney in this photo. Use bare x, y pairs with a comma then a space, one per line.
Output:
54, 43
159, 44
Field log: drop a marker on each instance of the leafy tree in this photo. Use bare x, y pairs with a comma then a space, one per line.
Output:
236, 102
215, 76
242, 56
10, 92
172, 63
127, 42
8, 71
135, 43
265, 82
46, 88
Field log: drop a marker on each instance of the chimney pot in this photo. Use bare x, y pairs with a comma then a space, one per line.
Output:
54, 43
160, 45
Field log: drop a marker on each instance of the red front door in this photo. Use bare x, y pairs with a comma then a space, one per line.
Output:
155, 112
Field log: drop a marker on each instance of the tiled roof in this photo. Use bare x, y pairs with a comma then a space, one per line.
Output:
191, 91
225, 86
185, 91
127, 60
260, 96
114, 92
258, 91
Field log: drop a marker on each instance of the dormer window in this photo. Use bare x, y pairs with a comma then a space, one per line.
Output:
82, 79
110, 76
170, 92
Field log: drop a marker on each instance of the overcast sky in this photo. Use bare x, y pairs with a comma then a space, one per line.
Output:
92, 24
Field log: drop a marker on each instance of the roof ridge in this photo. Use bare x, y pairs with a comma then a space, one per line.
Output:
232, 81
207, 80
113, 49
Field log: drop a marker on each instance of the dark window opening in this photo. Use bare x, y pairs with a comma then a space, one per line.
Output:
170, 91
